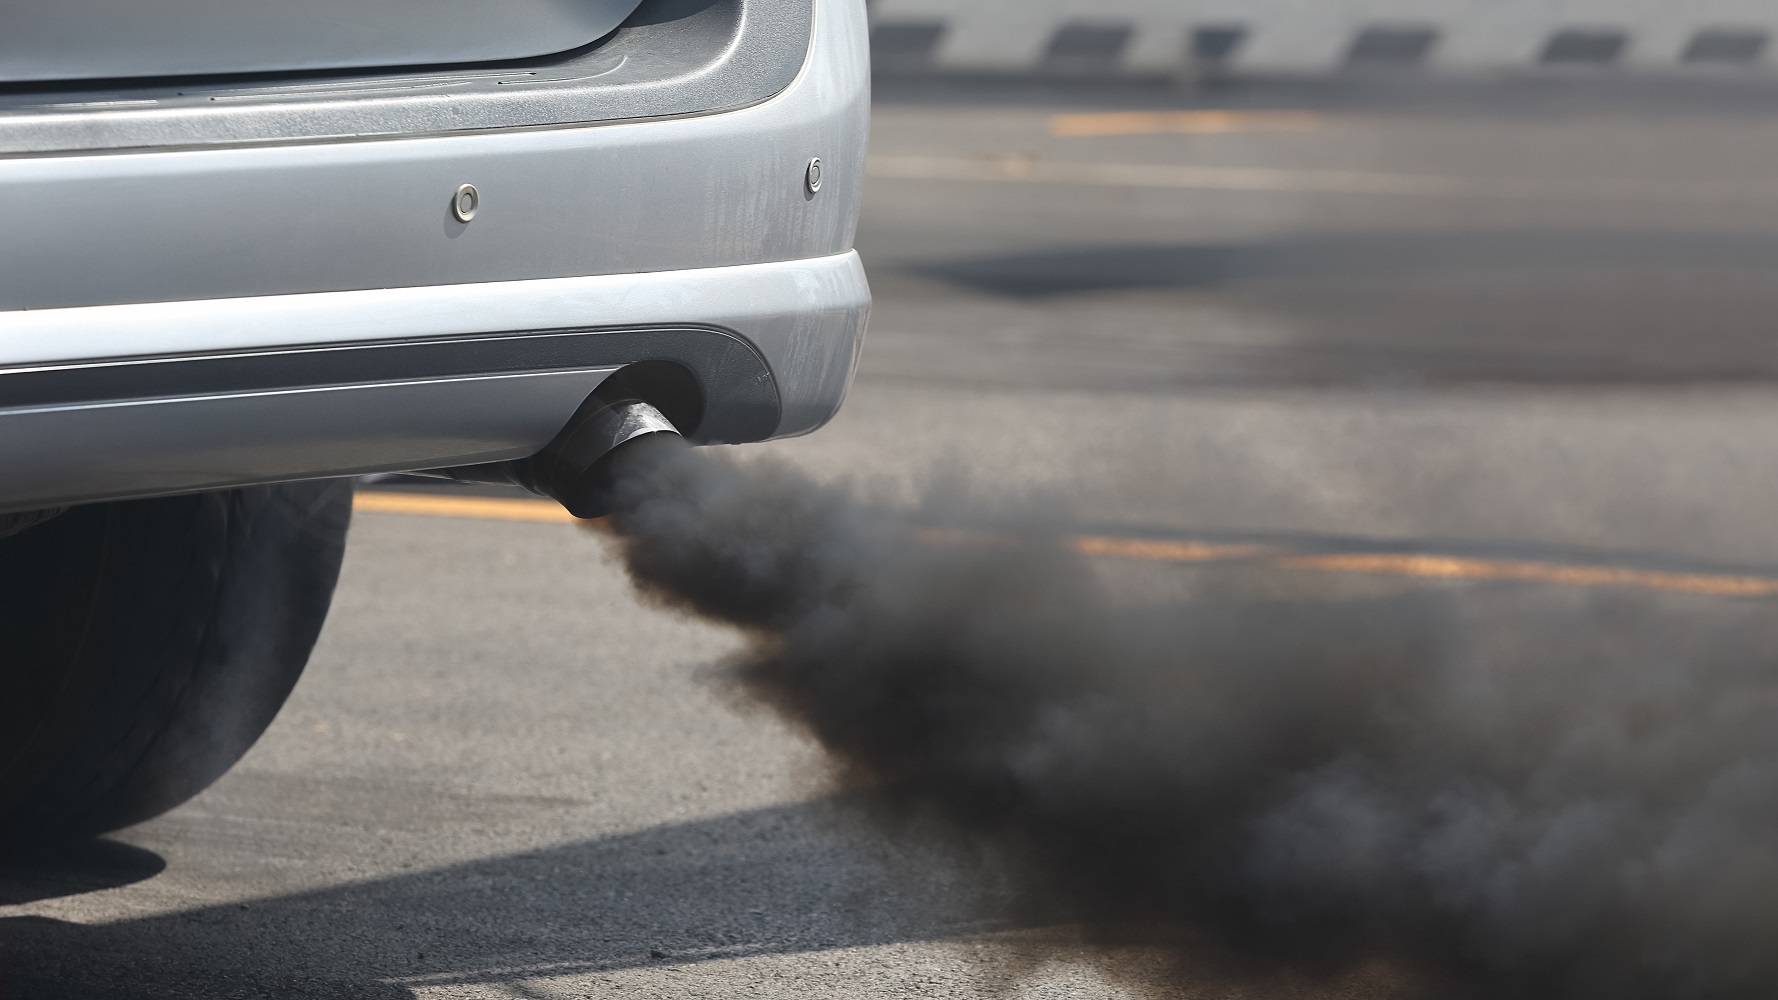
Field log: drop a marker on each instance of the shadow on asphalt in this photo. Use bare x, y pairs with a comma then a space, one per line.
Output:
85, 867
771, 881
1535, 306
1550, 256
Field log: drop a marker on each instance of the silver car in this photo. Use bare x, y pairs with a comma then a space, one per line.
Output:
250, 249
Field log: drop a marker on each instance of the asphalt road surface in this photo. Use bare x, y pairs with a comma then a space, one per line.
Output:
1513, 342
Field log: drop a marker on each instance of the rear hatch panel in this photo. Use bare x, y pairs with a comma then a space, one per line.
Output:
669, 58
97, 39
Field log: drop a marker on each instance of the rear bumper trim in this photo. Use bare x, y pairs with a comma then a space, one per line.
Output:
102, 402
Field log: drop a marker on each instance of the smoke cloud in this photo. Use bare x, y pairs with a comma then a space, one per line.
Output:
1296, 790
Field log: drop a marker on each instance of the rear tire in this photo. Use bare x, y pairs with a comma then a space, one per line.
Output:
145, 645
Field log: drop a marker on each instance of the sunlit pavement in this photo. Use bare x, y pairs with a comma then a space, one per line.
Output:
1539, 338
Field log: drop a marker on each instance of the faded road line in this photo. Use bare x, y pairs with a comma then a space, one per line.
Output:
1458, 568
1425, 565
1032, 170
1202, 121
1021, 168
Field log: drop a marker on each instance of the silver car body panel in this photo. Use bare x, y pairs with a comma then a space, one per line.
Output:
75, 39
671, 57
804, 318
113, 263
703, 191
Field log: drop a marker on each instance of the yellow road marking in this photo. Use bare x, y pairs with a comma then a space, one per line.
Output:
1456, 568
1098, 545
1135, 548
480, 508
1426, 565
1209, 121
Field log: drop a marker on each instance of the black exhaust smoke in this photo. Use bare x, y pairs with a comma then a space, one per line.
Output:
1297, 791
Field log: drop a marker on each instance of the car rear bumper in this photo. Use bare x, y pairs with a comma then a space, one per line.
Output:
225, 392
198, 318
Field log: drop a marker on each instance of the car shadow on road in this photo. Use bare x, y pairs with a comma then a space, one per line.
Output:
781, 880
89, 866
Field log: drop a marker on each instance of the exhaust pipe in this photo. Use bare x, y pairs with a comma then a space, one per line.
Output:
577, 469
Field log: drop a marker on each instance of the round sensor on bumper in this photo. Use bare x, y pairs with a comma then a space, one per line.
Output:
465, 202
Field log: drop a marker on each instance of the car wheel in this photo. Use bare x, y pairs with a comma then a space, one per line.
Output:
146, 644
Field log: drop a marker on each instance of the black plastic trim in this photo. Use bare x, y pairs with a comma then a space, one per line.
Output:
740, 397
